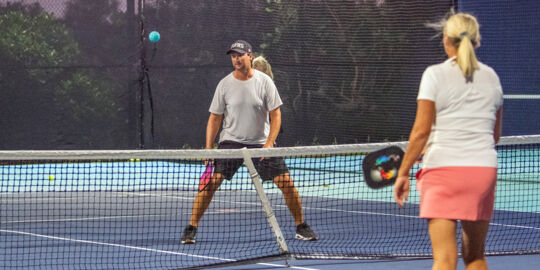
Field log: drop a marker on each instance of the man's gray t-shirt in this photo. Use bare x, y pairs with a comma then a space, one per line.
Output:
245, 106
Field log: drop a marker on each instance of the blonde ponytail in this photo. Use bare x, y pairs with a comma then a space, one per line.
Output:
463, 29
261, 64
466, 57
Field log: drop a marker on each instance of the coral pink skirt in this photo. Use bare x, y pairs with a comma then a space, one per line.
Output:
457, 193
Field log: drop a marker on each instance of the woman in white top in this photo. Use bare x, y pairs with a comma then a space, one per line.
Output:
458, 123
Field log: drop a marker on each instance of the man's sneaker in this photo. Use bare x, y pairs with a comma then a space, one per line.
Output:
189, 235
304, 232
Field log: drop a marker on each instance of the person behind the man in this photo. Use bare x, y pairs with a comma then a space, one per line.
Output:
247, 103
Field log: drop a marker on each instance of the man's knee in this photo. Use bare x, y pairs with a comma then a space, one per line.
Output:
215, 183
284, 182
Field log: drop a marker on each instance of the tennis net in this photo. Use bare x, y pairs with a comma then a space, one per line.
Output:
128, 209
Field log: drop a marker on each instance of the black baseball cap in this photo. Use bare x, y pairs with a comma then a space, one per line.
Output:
240, 46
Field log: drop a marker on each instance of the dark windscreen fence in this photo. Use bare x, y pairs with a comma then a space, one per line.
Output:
80, 74
83, 74
67, 74
510, 45
347, 71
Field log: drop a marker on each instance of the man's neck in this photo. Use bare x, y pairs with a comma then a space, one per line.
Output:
243, 74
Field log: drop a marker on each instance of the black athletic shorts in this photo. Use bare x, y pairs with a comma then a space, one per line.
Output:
267, 168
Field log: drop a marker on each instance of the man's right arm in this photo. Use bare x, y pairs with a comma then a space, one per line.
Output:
212, 128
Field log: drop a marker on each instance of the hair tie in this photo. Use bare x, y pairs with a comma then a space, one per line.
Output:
464, 34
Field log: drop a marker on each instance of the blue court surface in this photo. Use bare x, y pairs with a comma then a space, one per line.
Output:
515, 262
130, 215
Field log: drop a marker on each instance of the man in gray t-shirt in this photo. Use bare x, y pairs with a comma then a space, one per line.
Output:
246, 105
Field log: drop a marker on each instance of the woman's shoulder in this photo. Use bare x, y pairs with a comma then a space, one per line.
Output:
484, 67
449, 63
486, 73
436, 70
262, 76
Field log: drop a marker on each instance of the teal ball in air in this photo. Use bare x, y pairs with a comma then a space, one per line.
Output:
154, 36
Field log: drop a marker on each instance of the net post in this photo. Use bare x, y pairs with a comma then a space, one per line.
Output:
270, 216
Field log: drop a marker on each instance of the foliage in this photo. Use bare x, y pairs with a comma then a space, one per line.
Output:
99, 26
342, 68
38, 41
335, 60
92, 101
35, 50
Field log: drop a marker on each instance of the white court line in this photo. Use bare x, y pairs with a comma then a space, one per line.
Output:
36, 199
515, 226
287, 266
78, 219
142, 249
116, 245
106, 217
521, 96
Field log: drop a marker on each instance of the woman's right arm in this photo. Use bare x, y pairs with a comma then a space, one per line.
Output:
425, 117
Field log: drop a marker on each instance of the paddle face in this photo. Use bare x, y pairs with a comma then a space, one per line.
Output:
206, 176
381, 167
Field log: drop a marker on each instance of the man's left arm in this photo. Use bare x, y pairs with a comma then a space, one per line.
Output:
275, 125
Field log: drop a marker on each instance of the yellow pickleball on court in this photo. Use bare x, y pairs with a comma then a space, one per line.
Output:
51, 177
